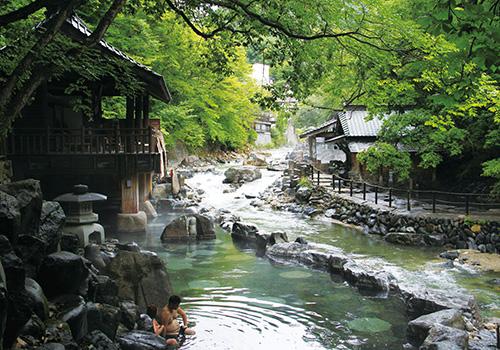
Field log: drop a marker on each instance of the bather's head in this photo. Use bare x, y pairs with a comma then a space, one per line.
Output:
174, 301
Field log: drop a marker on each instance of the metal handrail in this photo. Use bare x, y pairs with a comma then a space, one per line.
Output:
410, 194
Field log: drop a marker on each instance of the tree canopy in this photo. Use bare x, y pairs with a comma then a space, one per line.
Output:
430, 66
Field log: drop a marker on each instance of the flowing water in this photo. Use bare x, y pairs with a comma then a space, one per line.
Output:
236, 300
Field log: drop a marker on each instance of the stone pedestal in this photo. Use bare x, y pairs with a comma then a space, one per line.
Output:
132, 223
85, 231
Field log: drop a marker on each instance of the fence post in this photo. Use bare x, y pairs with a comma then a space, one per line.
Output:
376, 194
350, 188
333, 182
364, 191
390, 197
433, 202
408, 206
466, 204
318, 177
340, 186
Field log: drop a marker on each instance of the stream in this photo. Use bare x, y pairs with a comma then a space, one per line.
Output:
236, 300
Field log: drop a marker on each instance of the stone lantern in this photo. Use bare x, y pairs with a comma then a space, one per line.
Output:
80, 218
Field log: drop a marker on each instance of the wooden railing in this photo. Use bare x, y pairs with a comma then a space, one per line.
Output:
80, 141
427, 200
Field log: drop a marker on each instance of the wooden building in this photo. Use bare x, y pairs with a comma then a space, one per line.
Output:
342, 137
62, 147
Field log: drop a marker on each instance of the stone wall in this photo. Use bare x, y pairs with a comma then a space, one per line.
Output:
415, 228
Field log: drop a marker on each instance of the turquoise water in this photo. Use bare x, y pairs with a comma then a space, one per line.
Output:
236, 300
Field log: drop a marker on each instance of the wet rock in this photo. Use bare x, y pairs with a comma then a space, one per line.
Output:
29, 197
92, 252
421, 301
302, 194
436, 240
103, 317
3, 302
404, 238
13, 268
237, 175
244, 232
450, 254
278, 237
34, 327
150, 210
445, 338
52, 221
141, 277
70, 243
99, 341
102, 289
38, 300
32, 250
188, 228
418, 329
10, 216
142, 340
63, 273
364, 278
19, 311
301, 240
73, 310
483, 340
262, 240
144, 323
58, 333
129, 314
256, 160
132, 223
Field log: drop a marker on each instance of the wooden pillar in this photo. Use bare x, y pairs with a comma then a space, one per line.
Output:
138, 112
130, 195
129, 124
145, 111
148, 179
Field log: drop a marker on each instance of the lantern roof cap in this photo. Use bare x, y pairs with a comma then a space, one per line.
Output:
80, 194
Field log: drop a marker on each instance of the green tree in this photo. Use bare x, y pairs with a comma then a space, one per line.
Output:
383, 156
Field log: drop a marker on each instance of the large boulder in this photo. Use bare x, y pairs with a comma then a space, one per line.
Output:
189, 228
142, 340
242, 174
102, 289
52, 221
256, 160
141, 277
19, 312
246, 232
99, 341
32, 250
29, 197
366, 279
130, 314
404, 238
446, 338
3, 303
302, 194
63, 273
418, 329
10, 216
72, 309
103, 317
38, 299
161, 191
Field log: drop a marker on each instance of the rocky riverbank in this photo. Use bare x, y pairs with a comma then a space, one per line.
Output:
395, 226
441, 319
70, 298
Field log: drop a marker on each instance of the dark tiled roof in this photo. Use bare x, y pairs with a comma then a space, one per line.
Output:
322, 128
354, 123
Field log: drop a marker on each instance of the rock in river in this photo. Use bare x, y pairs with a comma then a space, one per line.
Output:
238, 175
142, 340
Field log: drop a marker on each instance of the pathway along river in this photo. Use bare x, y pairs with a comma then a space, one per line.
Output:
239, 301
